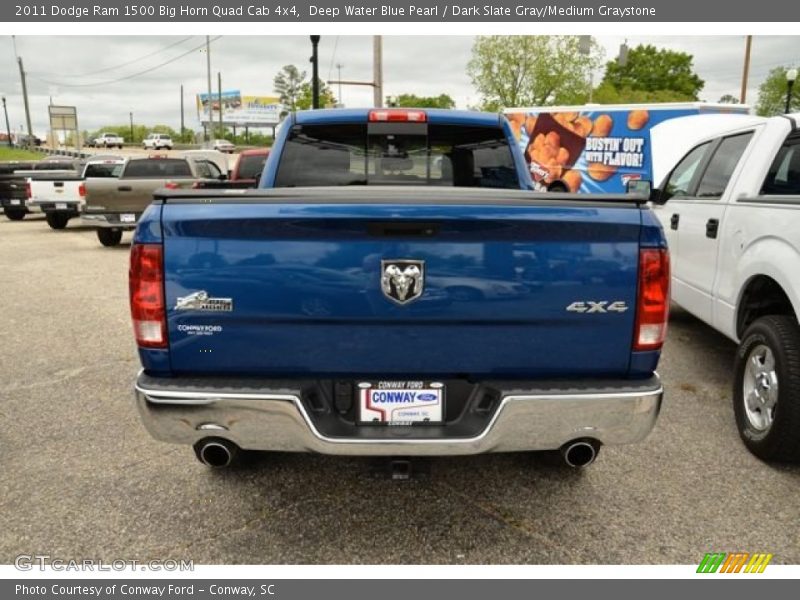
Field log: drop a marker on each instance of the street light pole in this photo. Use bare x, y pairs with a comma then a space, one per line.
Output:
208, 75
314, 72
791, 75
8, 127
132, 140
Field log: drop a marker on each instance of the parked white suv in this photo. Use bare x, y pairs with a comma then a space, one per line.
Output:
731, 212
157, 141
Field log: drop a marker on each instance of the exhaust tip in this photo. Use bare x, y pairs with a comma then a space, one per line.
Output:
216, 453
580, 453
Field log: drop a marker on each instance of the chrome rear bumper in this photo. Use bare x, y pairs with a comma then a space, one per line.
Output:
277, 420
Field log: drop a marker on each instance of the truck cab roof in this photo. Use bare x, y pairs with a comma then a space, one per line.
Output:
433, 115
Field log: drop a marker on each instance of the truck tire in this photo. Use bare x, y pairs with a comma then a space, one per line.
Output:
109, 237
766, 389
15, 214
57, 220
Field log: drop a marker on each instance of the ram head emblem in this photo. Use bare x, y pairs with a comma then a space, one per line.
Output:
402, 280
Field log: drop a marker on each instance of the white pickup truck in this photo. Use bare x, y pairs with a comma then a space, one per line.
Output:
62, 196
107, 140
731, 211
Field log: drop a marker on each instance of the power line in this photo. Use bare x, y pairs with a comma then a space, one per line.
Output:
333, 56
131, 76
125, 64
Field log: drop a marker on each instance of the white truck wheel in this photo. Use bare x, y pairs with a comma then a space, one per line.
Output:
766, 388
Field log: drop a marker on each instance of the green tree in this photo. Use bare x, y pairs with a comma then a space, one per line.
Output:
514, 71
304, 98
606, 93
288, 83
772, 94
414, 101
651, 69
728, 99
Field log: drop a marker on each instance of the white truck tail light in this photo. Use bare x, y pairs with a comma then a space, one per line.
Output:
398, 115
82, 190
28, 192
146, 281
652, 302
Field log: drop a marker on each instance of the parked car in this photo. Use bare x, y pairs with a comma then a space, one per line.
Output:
23, 139
249, 166
115, 205
61, 198
731, 211
249, 339
157, 141
107, 140
223, 146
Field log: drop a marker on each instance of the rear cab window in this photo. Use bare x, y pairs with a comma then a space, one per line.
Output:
783, 177
251, 165
390, 153
103, 170
158, 168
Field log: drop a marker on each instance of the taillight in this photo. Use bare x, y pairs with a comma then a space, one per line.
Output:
171, 185
146, 281
395, 115
28, 193
82, 190
652, 303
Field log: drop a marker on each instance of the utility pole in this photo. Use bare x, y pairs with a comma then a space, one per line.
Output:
182, 127
339, 71
8, 127
219, 99
314, 72
746, 71
377, 70
132, 140
208, 74
25, 101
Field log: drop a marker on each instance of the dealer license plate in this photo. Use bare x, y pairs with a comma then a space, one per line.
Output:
61, 206
401, 402
127, 218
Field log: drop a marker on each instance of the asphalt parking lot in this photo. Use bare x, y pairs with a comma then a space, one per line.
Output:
81, 478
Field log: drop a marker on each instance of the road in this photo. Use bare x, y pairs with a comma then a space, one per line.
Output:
81, 477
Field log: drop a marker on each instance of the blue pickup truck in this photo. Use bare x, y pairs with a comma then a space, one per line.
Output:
395, 288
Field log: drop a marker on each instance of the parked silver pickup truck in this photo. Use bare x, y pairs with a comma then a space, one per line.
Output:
115, 205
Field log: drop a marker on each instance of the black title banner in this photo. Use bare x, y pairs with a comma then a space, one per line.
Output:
400, 11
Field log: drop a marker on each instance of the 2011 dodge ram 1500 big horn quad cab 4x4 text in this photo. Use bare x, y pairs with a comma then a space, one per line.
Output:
398, 290
731, 211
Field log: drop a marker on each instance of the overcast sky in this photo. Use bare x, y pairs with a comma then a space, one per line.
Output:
412, 64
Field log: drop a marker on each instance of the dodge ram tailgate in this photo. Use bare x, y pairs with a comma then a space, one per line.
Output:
393, 281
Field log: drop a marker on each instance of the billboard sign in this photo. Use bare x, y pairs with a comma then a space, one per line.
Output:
63, 118
238, 109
